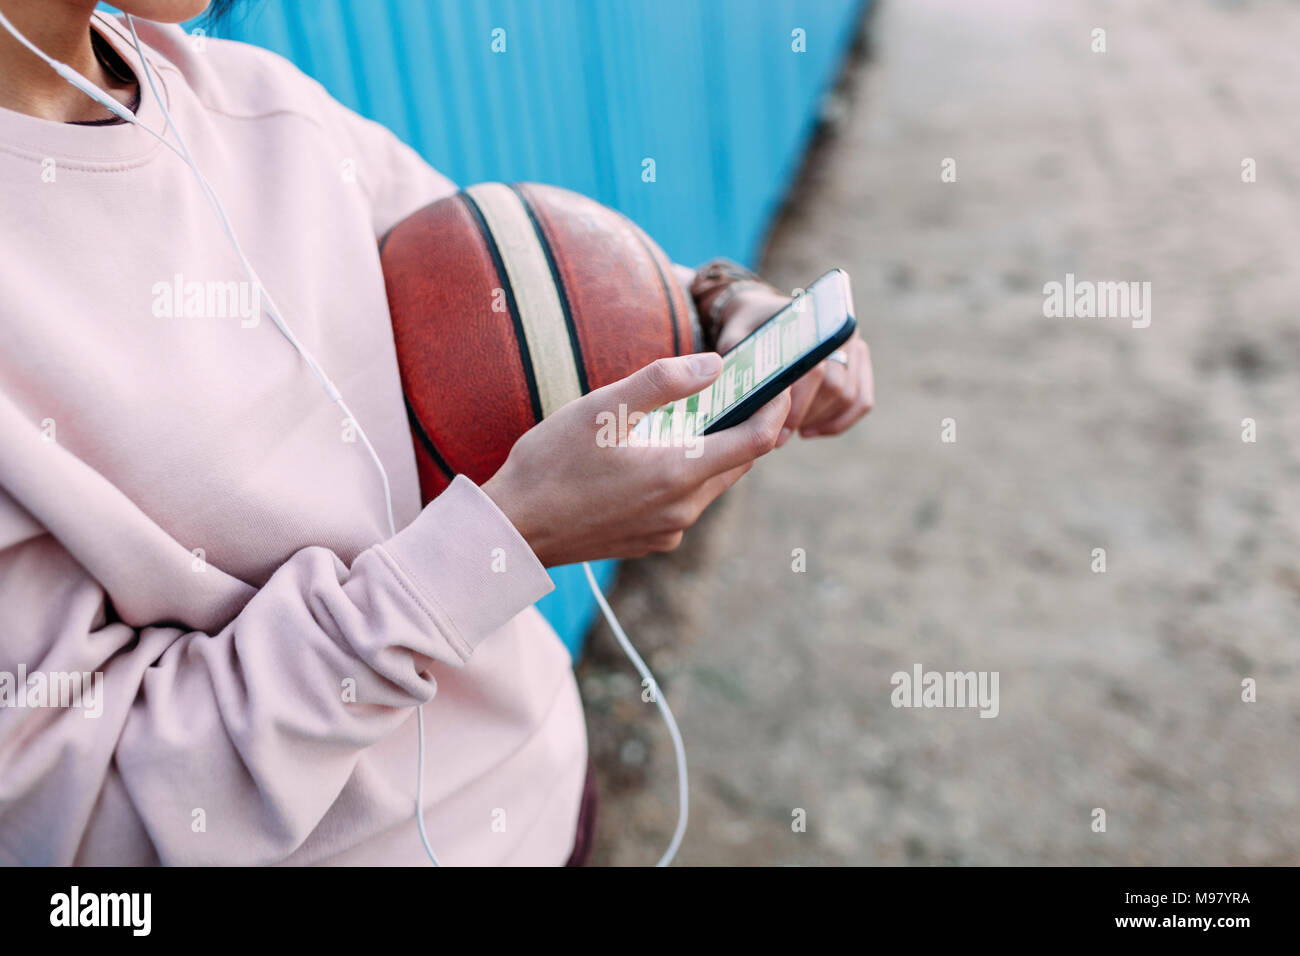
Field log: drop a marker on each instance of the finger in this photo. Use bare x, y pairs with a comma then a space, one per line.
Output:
860, 405
802, 395
836, 395
842, 422
868, 394
715, 486
686, 512
742, 443
637, 547
661, 382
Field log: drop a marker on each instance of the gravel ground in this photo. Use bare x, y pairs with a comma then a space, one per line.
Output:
1119, 690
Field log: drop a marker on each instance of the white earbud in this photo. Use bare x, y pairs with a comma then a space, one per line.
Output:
71, 75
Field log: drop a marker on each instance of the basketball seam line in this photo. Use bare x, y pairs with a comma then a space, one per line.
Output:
503, 277
663, 283
417, 427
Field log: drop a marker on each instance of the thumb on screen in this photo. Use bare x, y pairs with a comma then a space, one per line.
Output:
666, 380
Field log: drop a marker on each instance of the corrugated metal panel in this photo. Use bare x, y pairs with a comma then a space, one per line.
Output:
585, 91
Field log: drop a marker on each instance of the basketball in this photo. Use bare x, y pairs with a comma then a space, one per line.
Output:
509, 301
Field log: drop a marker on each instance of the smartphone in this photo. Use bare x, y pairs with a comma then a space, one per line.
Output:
761, 365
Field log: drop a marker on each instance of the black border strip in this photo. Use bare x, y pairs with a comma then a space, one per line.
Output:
663, 281
504, 278
417, 429
580, 362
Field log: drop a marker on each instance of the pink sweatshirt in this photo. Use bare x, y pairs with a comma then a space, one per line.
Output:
182, 510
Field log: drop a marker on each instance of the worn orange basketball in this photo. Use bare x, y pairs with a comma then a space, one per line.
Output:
509, 301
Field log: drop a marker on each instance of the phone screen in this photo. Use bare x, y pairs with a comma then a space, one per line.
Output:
780, 342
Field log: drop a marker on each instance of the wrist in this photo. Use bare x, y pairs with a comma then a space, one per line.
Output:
719, 288
506, 495
749, 308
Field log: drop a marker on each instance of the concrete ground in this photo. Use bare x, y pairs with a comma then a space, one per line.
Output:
1119, 690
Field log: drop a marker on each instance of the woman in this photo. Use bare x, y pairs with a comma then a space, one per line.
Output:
184, 512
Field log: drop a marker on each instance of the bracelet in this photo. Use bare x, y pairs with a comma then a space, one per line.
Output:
720, 302
716, 283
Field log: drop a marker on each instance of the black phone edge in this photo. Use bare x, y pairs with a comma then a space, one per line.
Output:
776, 386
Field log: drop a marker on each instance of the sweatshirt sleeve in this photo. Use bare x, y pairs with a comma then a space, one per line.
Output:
254, 729
397, 180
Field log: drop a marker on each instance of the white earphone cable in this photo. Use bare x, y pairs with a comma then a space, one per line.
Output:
679, 748
330, 389
271, 308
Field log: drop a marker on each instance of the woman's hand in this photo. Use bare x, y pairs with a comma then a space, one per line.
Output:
575, 497
827, 400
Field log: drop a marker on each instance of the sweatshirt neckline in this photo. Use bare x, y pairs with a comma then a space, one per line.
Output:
109, 145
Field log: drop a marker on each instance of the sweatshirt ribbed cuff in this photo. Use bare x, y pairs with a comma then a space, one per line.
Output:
467, 565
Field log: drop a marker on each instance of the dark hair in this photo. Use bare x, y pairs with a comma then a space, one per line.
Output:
219, 13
